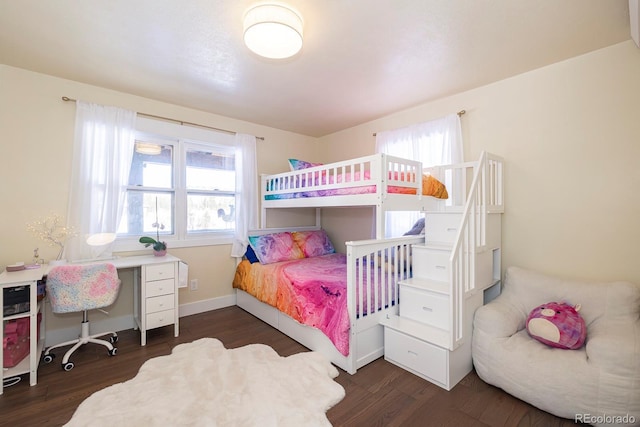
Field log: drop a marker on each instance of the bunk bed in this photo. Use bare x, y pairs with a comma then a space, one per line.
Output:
372, 268
385, 182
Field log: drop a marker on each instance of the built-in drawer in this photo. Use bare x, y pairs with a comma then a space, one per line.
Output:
160, 272
163, 302
160, 318
160, 287
424, 306
442, 227
430, 263
426, 359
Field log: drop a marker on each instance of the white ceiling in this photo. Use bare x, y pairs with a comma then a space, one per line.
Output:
361, 59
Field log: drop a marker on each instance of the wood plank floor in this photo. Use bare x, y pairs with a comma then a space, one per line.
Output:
380, 394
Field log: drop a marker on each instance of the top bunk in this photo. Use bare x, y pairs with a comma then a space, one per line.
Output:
387, 183
379, 180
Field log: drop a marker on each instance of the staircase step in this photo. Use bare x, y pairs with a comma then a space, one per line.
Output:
438, 246
418, 330
436, 286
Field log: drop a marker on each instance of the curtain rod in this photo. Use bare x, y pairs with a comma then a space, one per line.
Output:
66, 98
459, 113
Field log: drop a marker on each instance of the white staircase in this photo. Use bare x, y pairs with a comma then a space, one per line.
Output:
455, 271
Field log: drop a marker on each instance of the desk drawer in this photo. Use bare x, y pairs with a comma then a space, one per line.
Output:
161, 287
161, 303
161, 318
424, 306
426, 359
160, 271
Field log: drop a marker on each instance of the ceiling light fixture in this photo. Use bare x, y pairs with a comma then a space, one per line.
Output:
273, 31
146, 148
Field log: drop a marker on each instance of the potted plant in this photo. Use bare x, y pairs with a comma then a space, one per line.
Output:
159, 247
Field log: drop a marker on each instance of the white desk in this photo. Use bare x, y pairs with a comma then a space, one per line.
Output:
155, 291
155, 295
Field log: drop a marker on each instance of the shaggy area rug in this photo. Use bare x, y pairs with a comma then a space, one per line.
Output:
204, 384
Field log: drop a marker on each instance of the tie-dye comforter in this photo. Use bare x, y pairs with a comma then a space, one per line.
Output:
430, 187
310, 290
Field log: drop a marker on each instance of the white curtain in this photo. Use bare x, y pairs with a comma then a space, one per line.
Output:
246, 192
102, 154
437, 142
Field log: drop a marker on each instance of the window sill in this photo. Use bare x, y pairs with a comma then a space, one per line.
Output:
130, 245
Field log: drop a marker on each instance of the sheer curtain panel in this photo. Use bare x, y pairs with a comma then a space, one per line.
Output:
246, 192
102, 153
436, 142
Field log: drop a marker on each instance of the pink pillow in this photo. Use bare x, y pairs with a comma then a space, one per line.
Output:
275, 247
557, 325
313, 243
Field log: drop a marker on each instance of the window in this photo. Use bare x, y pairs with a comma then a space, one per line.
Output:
184, 185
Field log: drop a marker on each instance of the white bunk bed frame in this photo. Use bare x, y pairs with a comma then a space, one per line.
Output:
383, 171
366, 342
366, 335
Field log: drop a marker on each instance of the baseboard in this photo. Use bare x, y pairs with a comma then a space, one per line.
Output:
207, 305
123, 323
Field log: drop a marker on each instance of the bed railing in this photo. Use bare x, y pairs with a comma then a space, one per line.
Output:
360, 172
485, 196
374, 268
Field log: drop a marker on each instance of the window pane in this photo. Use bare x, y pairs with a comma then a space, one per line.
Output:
152, 170
212, 171
210, 213
140, 214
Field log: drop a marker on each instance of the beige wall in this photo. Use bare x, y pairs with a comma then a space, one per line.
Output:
570, 134
37, 136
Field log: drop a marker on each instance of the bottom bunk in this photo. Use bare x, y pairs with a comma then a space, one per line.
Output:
330, 303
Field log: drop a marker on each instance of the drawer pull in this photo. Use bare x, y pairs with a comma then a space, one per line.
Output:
413, 353
452, 229
441, 267
429, 309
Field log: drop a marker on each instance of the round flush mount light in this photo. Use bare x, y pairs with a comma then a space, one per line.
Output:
146, 148
273, 31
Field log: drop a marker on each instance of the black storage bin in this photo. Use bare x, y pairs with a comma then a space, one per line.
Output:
16, 300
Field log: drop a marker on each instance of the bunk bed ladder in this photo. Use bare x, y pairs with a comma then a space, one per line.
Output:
485, 196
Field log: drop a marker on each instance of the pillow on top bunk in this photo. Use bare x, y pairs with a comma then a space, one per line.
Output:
296, 164
432, 187
313, 243
275, 247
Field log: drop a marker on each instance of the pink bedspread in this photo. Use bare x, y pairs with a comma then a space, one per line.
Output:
310, 290
313, 291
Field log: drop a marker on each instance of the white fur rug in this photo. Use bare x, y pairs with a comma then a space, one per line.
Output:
203, 384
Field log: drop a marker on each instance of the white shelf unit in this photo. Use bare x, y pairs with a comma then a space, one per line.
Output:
30, 363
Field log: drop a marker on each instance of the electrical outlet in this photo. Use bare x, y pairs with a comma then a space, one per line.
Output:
193, 284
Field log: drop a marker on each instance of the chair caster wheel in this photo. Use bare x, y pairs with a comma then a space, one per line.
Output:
48, 358
113, 352
68, 366
113, 339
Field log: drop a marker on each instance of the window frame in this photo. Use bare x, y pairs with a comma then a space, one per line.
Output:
181, 137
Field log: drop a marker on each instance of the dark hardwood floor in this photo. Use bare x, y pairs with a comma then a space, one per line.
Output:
380, 394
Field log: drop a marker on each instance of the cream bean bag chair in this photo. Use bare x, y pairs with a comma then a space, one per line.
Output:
598, 383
